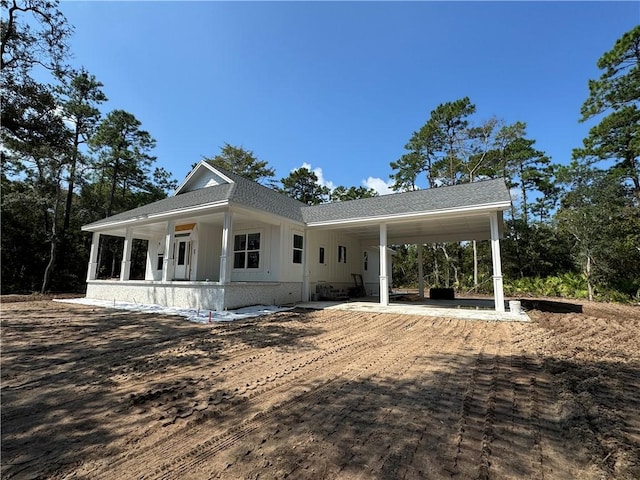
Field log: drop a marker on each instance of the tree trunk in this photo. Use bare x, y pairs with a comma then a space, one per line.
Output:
49, 268
46, 278
587, 272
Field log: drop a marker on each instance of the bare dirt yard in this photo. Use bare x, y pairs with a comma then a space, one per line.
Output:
104, 394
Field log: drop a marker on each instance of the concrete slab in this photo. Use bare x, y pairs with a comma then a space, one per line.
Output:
468, 313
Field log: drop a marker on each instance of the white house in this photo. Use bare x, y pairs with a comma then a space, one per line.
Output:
222, 241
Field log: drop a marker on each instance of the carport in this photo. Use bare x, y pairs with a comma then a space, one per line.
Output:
467, 212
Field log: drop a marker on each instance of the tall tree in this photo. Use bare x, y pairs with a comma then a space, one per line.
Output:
451, 120
341, 194
33, 32
123, 156
616, 94
79, 96
302, 184
242, 162
37, 148
598, 214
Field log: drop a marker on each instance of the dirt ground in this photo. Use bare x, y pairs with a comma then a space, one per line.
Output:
103, 394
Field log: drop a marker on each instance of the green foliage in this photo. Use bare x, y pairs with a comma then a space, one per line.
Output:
242, 162
302, 184
566, 285
340, 194
123, 161
616, 137
32, 32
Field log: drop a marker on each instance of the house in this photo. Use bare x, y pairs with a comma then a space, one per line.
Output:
223, 242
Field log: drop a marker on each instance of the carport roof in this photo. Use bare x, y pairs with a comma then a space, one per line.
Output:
487, 193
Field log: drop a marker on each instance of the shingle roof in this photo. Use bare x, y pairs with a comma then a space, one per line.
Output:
179, 202
420, 201
244, 192
251, 194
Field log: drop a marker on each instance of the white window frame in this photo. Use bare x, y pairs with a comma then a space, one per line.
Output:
295, 249
246, 250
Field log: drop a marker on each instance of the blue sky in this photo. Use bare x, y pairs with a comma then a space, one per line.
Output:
341, 86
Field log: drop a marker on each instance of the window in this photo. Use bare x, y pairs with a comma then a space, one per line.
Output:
298, 243
182, 247
342, 254
246, 250
321, 255
160, 264
366, 260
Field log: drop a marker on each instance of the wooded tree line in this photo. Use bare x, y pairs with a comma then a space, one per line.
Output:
573, 229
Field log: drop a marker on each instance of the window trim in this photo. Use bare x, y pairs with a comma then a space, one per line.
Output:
246, 250
297, 249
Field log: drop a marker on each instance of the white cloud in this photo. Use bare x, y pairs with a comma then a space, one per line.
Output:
318, 171
379, 185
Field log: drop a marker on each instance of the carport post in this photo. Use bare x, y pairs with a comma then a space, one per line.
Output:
125, 268
498, 287
384, 279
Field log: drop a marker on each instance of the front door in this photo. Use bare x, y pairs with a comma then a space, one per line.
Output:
183, 259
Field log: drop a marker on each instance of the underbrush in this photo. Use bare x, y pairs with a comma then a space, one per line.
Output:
570, 285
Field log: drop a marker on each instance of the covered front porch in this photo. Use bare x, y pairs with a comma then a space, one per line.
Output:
200, 295
223, 258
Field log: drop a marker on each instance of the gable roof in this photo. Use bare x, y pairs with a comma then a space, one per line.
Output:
228, 188
238, 191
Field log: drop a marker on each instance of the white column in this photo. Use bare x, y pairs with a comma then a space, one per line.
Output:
498, 287
420, 274
93, 257
167, 267
125, 267
384, 280
305, 268
227, 229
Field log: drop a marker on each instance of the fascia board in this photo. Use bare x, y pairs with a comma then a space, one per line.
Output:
490, 207
143, 219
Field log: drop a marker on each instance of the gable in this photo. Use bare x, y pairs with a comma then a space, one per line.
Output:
202, 176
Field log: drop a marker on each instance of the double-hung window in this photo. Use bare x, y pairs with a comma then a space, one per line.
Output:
298, 248
246, 250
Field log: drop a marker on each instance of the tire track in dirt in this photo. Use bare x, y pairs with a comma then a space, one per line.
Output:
307, 467
411, 423
381, 372
319, 362
307, 397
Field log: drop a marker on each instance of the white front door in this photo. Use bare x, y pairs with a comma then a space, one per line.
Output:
182, 258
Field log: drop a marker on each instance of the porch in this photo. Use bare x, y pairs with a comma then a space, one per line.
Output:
200, 295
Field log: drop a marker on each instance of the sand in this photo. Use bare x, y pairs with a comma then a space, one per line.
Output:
97, 393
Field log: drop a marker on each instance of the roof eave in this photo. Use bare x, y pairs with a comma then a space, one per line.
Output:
489, 207
103, 225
